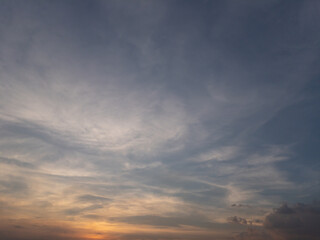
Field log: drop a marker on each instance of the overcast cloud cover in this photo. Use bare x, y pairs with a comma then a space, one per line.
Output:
159, 119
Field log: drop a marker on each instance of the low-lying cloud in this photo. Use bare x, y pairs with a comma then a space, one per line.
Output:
297, 222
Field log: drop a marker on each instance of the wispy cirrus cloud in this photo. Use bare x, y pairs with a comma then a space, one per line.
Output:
156, 117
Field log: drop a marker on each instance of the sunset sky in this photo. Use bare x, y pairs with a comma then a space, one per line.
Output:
159, 120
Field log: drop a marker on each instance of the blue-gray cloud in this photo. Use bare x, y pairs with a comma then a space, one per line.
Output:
159, 107
299, 221
296, 222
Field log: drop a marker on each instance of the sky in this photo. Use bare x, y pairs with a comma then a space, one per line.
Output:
159, 120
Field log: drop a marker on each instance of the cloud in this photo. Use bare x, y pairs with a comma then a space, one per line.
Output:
16, 162
219, 154
238, 220
245, 221
78, 210
161, 221
300, 221
240, 205
93, 216
13, 187
92, 198
154, 113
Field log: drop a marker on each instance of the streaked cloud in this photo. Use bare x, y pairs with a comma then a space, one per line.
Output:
158, 119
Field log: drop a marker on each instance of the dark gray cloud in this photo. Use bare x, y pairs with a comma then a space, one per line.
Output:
238, 220
295, 222
300, 221
239, 205
244, 221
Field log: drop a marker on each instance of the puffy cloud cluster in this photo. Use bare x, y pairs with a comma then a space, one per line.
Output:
298, 222
238, 220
